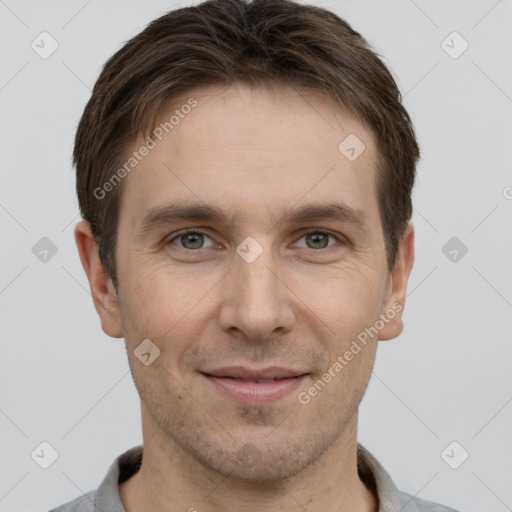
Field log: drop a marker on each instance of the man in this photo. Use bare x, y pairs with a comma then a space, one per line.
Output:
244, 171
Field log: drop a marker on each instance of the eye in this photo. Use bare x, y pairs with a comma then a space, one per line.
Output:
191, 239
318, 239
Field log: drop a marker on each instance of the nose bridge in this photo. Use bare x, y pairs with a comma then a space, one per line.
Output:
255, 301
260, 283
257, 288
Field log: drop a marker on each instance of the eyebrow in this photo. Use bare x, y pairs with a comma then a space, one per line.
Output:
167, 214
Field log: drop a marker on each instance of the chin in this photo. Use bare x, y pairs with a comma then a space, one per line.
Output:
260, 461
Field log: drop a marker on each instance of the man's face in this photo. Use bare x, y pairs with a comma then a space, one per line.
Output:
261, 294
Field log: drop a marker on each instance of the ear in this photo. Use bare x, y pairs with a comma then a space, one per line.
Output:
394, 302
103, 292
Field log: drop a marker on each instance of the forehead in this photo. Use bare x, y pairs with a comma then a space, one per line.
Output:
253, 150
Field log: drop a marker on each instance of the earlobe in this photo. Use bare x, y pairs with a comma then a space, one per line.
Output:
102, 290
393, 306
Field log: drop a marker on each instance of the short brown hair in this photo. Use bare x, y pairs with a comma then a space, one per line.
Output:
226, 41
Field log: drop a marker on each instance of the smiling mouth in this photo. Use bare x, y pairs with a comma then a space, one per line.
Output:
259, 381
253, 389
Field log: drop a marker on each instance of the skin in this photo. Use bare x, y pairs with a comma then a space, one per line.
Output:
299, 305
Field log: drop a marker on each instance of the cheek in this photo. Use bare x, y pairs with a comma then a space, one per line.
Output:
349, 314
163, 304
346, 309
344, 298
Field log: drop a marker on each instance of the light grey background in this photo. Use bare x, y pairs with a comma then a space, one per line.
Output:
447, 378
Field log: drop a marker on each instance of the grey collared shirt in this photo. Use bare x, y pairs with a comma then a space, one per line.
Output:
106, 497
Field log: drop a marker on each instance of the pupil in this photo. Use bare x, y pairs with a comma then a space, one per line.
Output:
195, 240
319, 237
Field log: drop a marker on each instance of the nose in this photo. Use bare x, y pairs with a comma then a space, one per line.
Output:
256, 301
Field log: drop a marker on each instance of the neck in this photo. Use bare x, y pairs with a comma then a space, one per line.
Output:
171, 480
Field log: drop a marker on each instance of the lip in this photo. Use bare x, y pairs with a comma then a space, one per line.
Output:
240, 383
242, 372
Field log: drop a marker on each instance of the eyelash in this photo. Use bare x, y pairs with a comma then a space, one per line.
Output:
193, 231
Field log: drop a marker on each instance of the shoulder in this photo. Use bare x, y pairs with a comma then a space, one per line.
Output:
413, 504
106, 497
84, 503
390, 497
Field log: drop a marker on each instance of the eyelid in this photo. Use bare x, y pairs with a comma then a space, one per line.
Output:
197, 231
188, 231
340, 239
